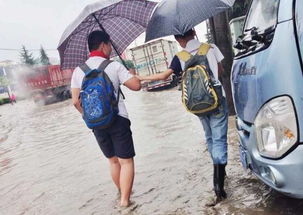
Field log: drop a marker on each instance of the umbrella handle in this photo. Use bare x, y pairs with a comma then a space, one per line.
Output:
123, 62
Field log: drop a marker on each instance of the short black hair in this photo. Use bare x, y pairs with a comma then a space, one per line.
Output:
185, 35
95, 38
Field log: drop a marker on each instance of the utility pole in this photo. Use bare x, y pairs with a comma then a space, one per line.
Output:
9, 90
219, 28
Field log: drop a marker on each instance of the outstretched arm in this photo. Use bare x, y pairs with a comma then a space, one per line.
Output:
133, 84
156, 77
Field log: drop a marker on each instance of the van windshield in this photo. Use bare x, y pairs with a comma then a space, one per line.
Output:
299, 23
263, 14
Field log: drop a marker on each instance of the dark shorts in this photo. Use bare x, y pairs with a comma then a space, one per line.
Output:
116, 140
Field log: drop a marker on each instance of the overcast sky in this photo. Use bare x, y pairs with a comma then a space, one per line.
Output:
41, 22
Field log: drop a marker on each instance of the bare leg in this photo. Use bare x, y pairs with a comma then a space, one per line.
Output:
127, 174
115, 169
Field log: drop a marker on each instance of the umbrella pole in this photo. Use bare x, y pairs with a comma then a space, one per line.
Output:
123, 62
196, 34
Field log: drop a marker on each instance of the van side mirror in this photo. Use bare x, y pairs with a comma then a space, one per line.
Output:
239, 45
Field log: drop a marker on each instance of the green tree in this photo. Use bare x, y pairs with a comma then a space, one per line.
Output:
27, 57
44, 60
130, 64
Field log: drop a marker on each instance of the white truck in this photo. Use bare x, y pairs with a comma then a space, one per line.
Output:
155, 57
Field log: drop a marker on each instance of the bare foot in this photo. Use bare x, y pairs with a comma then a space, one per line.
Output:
124, 203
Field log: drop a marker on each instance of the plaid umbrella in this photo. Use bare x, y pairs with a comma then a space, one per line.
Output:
123, 20
172, 17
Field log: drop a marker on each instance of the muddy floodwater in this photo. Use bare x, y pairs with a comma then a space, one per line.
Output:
50, 163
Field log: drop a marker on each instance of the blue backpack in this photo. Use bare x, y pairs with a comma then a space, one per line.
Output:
98, 100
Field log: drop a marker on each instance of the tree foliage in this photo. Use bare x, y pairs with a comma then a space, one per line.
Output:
44, 60
129, 64
27, 57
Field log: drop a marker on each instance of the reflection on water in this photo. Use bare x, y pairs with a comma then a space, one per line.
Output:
51, 164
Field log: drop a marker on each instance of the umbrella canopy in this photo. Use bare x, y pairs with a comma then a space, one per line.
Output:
123, 20
172, 17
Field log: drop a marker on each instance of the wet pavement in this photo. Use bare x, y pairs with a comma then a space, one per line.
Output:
51, 164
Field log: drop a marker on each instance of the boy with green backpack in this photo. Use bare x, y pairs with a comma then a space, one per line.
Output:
204, 96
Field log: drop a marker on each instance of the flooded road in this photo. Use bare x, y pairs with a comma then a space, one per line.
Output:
50, 163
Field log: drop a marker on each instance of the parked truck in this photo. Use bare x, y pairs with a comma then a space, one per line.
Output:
48, 83
267, 78
155, 57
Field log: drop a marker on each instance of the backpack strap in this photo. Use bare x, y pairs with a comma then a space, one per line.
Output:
104, 64
85, 68
203, 49
102, 67
184, 55
120, 92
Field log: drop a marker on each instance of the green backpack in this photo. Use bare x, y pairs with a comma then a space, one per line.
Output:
199, 95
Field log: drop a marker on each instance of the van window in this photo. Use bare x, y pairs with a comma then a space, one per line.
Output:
299, 22
263, 14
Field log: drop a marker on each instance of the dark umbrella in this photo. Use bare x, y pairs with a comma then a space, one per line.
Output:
123, 20
172, 17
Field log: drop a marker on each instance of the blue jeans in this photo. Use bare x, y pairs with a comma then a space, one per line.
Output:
215, 128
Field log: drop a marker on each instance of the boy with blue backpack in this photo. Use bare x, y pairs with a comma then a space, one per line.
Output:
97, 96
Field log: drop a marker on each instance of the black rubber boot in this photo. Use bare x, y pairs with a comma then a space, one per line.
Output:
219, 176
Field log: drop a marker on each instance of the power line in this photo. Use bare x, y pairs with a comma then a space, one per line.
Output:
7, 49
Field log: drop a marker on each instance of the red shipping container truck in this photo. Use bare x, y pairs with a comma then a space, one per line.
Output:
49, 83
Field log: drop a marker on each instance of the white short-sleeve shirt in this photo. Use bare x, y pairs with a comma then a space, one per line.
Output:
116, 73
214, 56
